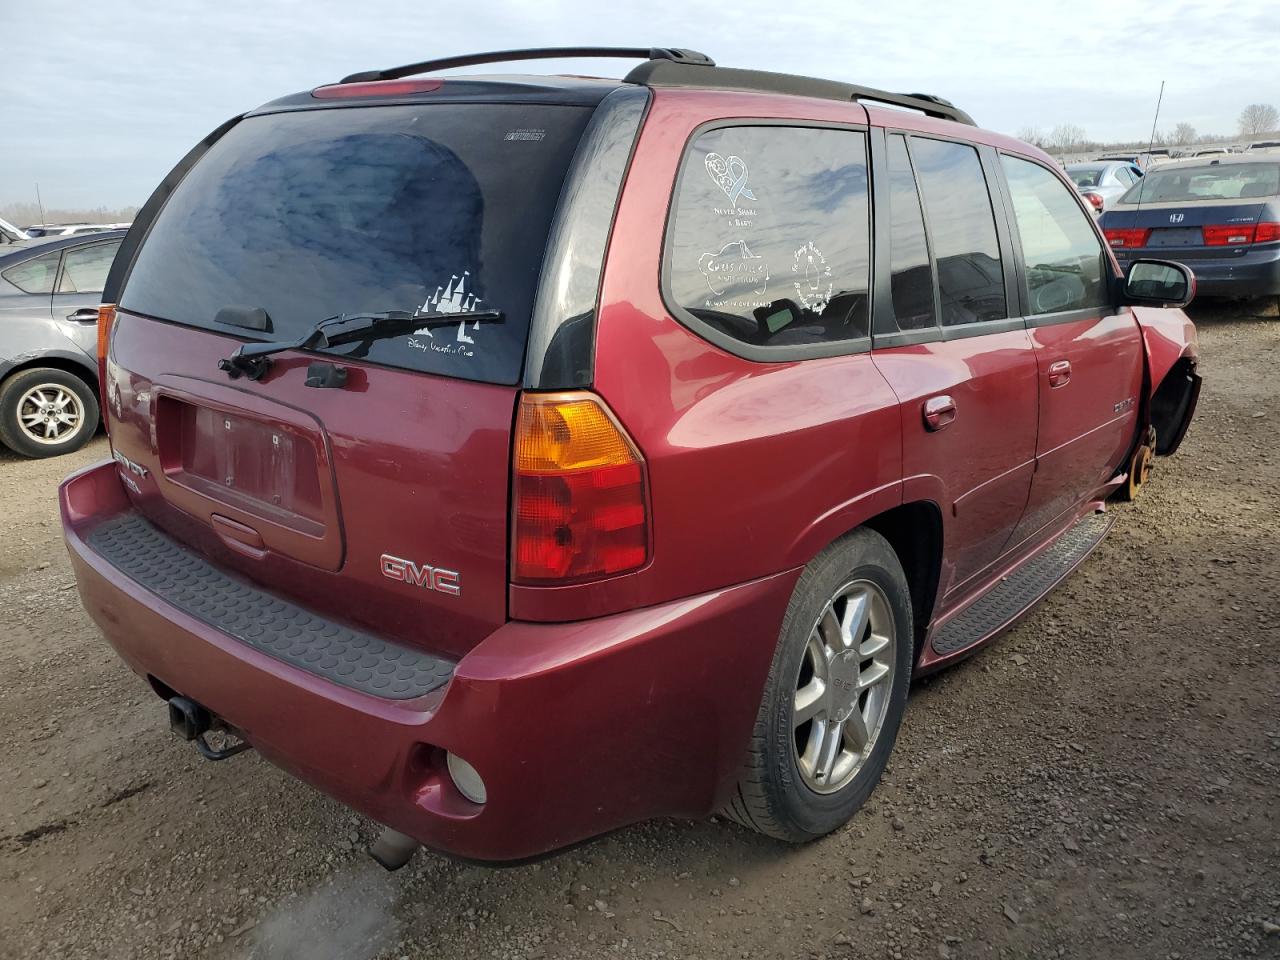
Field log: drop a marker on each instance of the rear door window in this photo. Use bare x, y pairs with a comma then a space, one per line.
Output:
1063, 255
911, 284
438, 208
768, 245
84, 269
962, 231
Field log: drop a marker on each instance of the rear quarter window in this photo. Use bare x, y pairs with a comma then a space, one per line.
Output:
440, 208
768, 251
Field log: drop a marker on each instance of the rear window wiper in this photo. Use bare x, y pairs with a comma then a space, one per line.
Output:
252, 360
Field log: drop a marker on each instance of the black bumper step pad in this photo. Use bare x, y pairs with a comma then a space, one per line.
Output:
1017, 592
264, 622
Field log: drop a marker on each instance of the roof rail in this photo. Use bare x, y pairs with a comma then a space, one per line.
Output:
674, 73
691, 58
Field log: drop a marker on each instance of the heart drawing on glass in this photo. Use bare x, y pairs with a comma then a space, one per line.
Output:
730, 176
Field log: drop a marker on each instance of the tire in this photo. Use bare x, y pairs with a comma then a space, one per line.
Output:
43, 392
780, 794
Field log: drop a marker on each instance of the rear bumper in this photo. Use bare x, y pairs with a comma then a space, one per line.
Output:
575, 728
1253, 274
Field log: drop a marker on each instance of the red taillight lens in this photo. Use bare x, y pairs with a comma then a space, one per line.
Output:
1228, 235
1094, 199
580, 510
1266, 232
377, 88
1128, 237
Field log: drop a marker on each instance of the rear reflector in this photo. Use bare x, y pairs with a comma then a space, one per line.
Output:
377, 88
1128, 237
580, 510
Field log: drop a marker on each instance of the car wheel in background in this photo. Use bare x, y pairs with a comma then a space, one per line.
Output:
45, 412
835, 696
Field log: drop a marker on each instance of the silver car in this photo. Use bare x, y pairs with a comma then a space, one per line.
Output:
1103, 181
49, 294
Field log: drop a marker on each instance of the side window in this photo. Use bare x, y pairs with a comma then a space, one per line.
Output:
35, 276
912, 284
1063, 255
962, 231
86, 268
769, 238
1124, 176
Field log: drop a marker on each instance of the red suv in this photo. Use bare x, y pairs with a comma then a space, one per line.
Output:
516, 458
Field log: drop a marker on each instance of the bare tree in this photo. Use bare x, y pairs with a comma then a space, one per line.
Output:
1032, 135
1183, 134
1065, 136
1258, 118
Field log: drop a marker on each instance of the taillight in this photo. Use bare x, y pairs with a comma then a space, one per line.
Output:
106, 320
1228, 235
377, 88
1127, 237
580, 510
1266, 232
1095, 200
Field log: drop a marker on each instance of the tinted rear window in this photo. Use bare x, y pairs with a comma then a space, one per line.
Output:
440, 208
1227, 181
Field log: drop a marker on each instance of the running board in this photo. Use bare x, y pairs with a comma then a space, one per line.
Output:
1015, 594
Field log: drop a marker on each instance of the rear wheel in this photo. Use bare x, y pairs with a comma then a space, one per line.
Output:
835, 696
45, 412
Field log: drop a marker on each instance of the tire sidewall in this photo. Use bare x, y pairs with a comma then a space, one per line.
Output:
11, 392
863, 555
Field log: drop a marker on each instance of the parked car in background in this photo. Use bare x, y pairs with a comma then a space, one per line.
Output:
611, 461
1221, 217
70, 229
49, 295
1138, 160
1212, 152
11, 234
1261, 146
1102, 181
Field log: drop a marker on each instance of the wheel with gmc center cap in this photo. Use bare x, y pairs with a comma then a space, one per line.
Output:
835, 695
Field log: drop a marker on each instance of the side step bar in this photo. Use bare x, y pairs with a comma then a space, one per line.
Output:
1017, 593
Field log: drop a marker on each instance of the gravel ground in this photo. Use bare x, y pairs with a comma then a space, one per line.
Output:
1101, 782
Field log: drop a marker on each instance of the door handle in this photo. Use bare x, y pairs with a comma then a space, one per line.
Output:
84, 315
939, 412
1059, 373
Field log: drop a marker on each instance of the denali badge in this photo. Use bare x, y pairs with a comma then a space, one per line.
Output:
432, 578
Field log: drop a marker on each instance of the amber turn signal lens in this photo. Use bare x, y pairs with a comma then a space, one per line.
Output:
580, 507
106, 317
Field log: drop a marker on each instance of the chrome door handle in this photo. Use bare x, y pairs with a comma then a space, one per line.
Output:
1059, 373
939, 412
84, 315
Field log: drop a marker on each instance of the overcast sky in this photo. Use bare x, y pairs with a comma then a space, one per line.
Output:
98, 98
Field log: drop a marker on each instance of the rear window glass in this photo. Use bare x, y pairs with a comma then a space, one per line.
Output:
769, 242
1227, 181
440, 208
1085, 178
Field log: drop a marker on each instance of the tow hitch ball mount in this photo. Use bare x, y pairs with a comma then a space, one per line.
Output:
191, 722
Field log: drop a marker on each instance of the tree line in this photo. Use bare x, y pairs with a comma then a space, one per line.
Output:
1255, 120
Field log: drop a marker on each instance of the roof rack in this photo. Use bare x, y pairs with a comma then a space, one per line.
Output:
690, 58
678, 67
658, 73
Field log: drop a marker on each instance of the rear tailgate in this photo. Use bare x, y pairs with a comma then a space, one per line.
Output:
381, 503
1181, 225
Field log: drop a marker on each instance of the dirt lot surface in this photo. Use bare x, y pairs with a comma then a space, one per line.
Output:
1101, 782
